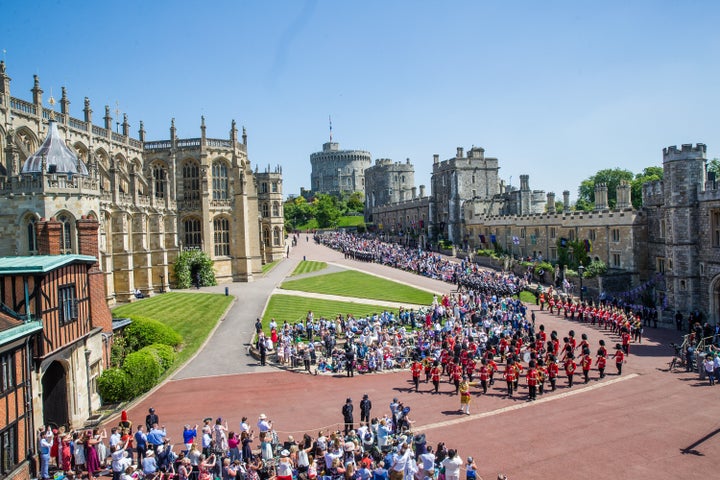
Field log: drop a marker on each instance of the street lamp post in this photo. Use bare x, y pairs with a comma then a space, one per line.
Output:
581, 270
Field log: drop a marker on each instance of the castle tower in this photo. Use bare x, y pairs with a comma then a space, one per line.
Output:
683, 178
338, 171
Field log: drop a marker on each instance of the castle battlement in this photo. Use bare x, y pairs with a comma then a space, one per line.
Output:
686, 152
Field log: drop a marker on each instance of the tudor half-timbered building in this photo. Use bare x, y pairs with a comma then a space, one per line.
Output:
55, 329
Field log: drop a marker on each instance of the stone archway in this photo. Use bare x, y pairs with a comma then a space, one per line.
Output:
714, 301
55, 398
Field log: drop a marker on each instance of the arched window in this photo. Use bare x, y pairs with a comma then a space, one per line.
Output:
265, 210
276, 236
31, 236
191, 181
220, 181
266, 237
65, 233
193, 233
276, 209
222, 237
160, 179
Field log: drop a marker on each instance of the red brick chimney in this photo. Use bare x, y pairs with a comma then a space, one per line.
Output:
87, 230
48, 236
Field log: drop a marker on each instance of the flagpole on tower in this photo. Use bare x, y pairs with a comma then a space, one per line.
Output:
330, 120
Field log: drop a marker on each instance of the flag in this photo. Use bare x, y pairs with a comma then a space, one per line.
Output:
516, 240
493, 239
482, 238
588, 246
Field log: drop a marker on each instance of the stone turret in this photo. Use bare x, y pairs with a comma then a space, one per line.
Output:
601, 197
551, 202
566, 201
624, 200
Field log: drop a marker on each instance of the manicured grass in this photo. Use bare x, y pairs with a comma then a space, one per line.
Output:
269, 266
310, 225
192, 315
351, 283
351, 221
527, 297
307, 266
294, 309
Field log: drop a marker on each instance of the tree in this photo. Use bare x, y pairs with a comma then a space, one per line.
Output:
355, 202
714, 167
649, 174
327, 212
611, 178
298, 212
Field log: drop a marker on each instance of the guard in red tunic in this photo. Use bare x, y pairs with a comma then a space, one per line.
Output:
493, 368
510, 377
570, 367
601, 362
626, 341
619, 358
586, 363
542, 375
456, 376
470, 369
435, 373
553, 371
484, 375
416, 370
532, 381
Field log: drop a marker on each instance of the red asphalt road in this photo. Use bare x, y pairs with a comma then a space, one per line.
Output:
634, 428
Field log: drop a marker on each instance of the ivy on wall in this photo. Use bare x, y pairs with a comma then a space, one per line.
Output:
192, 265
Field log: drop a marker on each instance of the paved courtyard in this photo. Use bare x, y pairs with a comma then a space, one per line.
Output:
647, 423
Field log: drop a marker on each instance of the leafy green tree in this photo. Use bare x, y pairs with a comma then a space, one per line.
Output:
714, 167
355, 202
611, 178
298, 212
649, 174
327, 213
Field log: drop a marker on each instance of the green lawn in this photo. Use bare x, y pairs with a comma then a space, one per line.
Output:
351, 221
527, 297
307, 266
192, 315
269, 266
351, 283
294, 309
312, 224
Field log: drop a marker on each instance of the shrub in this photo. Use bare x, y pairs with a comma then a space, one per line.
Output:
146, 331
190, 261
596, 267
143, 370
164, 354
113, 385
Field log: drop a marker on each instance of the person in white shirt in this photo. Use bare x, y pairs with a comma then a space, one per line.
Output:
120, 460
264, 425
397, 470
452, 465
710, 369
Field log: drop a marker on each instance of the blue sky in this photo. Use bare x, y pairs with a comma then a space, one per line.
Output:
554, 89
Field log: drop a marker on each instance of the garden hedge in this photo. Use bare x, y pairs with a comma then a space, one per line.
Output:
143, 370
112, 385
146, 331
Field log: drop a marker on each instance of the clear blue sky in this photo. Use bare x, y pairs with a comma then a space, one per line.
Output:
557, 90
